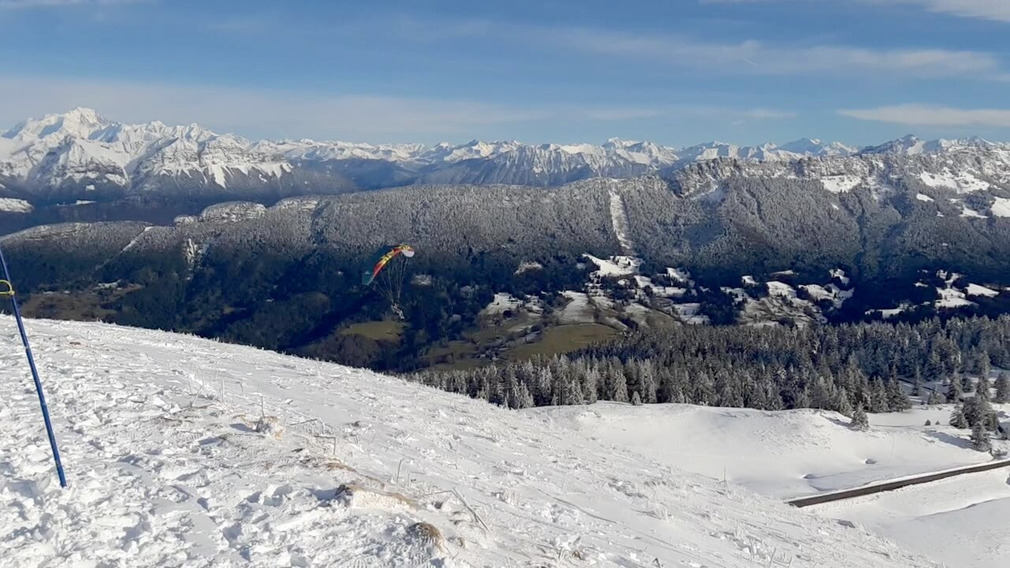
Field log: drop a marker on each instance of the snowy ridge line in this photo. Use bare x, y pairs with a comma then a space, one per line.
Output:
898, 483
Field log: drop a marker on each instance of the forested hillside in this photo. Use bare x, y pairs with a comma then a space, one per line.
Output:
514, 272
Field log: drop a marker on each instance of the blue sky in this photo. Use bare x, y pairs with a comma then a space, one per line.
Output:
677, 72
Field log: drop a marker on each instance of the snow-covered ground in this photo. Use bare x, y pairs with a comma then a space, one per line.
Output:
186, 452
793, 453
781, 454
11, 205
957, 521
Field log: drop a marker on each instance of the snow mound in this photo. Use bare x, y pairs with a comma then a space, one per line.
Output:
976, 290
502, 303
12, 205
841, 183
615, 266
233, 212
166, 468
1001, 207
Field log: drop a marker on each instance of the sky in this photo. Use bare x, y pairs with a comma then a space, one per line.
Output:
675, 72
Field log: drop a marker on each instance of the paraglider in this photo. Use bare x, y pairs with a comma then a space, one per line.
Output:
386, 270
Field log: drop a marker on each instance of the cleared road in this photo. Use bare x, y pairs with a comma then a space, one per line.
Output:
892, 485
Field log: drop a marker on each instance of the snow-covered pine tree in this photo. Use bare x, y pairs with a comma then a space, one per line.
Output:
982, 388
935, 397
954, 390
620, 393
647, 380
957, 418
1002, 389
978, 410
878, 396
636, 399
842, 403
896, 398
965, 380
523, 397
859, 419
984, 365
980, 438
591, 384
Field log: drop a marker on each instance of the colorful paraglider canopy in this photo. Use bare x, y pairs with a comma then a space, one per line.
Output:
382, 258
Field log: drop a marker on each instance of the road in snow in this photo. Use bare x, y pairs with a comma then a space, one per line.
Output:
959, 521
896, 484
174, 459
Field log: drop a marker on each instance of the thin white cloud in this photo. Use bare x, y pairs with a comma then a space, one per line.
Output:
767, 114
752, 58
995, 10
24, 4
759, 58
279, 114
926, 115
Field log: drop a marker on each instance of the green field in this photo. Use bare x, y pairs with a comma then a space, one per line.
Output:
563, 339
376, 330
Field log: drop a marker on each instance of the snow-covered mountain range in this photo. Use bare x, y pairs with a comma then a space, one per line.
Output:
83, 155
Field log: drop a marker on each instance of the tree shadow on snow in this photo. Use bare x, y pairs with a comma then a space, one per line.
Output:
945, 437
837, 421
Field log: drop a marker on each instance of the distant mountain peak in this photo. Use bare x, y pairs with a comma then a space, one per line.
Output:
81, 148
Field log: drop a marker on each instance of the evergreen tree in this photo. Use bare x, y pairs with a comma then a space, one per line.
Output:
935, 398
635, 399
957, 418
842, 403
591, 384
980, 438
859, 420
982, 388
523, 399
878, 397
977, 410
954, 390
965, 380
647, 381
1002, 389
896, 398
620, 393
984, 365
917, 383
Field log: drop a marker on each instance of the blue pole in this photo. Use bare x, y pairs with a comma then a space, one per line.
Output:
35, 373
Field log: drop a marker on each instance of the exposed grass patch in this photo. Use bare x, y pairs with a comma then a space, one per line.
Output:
563, 339
376, 330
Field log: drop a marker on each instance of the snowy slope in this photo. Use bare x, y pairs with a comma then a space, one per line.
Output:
172, 463
787, 454
782, 454
951, 520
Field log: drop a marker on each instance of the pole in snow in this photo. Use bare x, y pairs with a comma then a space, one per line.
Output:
31, 363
